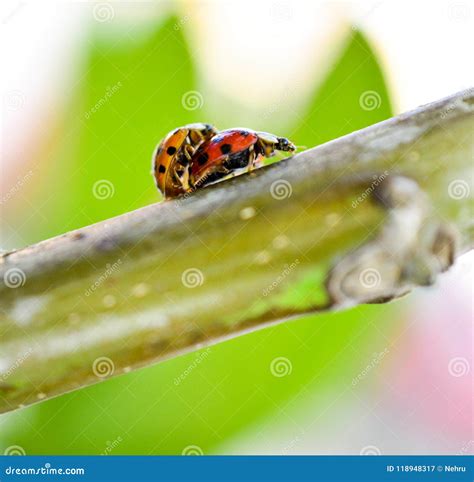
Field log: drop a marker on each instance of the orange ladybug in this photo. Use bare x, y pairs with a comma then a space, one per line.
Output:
231, 151
173, 156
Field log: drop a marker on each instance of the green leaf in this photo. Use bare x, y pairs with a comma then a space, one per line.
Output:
353, 96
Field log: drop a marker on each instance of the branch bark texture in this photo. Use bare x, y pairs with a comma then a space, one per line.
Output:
290, 238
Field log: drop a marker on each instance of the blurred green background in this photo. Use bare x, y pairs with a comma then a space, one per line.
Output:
139, 85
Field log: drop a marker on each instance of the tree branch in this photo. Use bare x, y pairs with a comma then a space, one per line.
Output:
300, 235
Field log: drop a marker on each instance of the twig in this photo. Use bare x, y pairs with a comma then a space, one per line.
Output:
257, 249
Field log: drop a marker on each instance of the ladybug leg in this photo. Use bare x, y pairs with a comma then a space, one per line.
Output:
252, 156
212, 175
266, 148
185, 179
182, 174
258, 162
257, 156
188, 153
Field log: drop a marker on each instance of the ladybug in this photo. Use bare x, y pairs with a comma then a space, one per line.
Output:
172, 157
231, 151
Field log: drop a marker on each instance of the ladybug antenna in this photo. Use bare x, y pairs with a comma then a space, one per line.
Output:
301, 148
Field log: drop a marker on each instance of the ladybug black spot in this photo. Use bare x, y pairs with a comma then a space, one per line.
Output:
202, 158
162, 168
171, 150
226, 148
244, 133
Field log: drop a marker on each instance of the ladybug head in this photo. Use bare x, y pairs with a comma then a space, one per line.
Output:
201, 129
208, 129
285, 145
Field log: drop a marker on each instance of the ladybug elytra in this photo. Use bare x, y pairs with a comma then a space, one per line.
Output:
197, 155
233, 150
173, 155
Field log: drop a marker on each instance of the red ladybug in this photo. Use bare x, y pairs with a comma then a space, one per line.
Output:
232, 151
